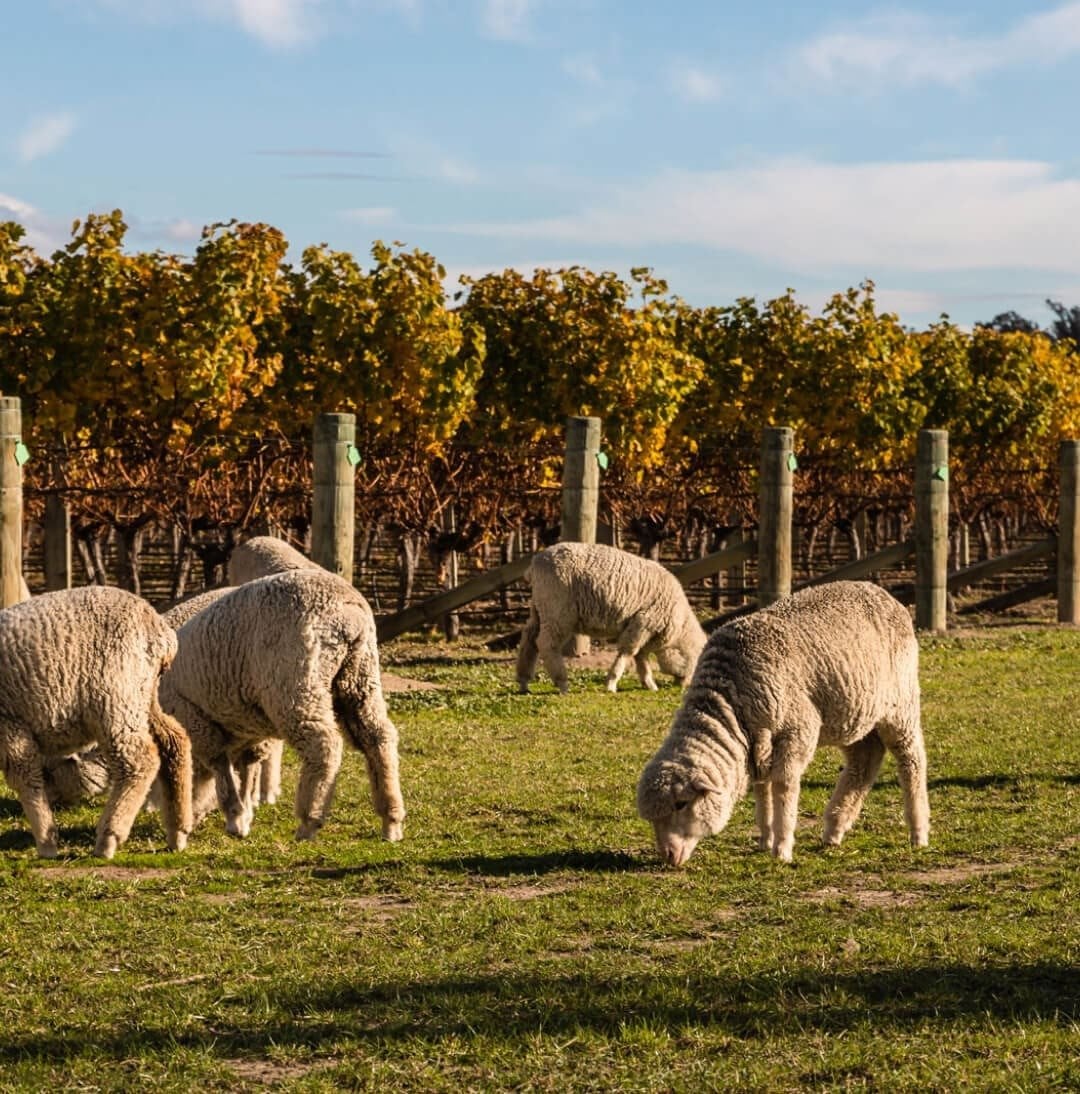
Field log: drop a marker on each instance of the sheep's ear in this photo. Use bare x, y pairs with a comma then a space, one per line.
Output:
703, 786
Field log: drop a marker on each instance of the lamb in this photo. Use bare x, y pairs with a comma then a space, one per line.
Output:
80, 666
580, 588
835, 664
292, 655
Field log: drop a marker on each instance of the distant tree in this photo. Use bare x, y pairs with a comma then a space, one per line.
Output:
1010, 322
1067, 323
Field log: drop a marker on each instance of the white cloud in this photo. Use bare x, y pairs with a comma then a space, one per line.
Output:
456, 171
43, 233
44, 135
926, 216
903, 47
280, 24
695, 85
584, 69
507, 20
370, 215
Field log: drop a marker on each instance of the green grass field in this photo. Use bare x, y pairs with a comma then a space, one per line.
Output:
524, 936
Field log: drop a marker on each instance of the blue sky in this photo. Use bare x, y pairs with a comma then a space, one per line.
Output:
738, 149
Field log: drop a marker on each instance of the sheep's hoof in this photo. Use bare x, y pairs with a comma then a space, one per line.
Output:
393, 831
47, 850
107, 845
308, 829
177, 841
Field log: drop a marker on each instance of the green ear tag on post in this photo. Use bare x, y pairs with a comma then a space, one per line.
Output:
602, 460
352, 454
22, 453
792, 463
941, 473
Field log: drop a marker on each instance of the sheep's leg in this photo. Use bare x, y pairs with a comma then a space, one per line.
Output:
204, 796
133, 762
318, 742
630, 641
528, 652
372, 731
550, 644
793, 748
174, 777
230, 796
26, 776
910, 753
270, 771
763, 809
862, 762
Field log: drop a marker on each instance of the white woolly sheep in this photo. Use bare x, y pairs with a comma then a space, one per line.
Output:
836, 664
258, 557
603, 592
81, 666
262, 556
294, 656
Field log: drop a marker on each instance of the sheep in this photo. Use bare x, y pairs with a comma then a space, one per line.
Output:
835, 664
80, 666
258, 557
262, 556
292, 655
580, 588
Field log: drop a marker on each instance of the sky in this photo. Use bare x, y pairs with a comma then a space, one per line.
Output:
737, 149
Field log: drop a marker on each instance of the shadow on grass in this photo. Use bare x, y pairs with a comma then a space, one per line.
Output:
506, 865
510, 1009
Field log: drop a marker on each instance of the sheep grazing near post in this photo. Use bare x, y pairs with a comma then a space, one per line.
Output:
838, 665
603, 592
81, 666
292, 655
258, 557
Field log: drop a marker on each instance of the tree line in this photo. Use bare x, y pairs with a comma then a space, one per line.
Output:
190, 383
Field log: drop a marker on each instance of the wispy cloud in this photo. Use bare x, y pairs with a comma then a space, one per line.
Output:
910, 48
507, 20
45, 234
280, 24
321, 153
927, 216
44, 135
583, 68
370, 215
694, 84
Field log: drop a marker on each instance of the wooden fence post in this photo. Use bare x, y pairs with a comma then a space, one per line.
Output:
1068, 549
580, 495
931, 529
774, 520
11, 501
57, 543
334, 493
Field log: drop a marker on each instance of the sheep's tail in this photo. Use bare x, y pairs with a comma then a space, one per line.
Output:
174, 752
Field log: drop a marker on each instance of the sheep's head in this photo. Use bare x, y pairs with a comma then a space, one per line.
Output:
681, 657
684, 805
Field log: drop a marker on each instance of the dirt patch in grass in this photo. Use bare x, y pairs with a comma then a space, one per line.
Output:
270, 1073
392, 682
532, 891
377, 908
865, 898
108, 873
952, 875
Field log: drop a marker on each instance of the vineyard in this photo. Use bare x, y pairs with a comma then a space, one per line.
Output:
168, 401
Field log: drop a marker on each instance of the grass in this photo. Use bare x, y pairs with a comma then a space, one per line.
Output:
523, 936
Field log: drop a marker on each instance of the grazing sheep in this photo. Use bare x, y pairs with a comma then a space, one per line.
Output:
586, 588
262, 556
836, 665
81, 666
292, 655
258, 557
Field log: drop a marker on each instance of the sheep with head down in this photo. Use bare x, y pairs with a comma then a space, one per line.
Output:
835, 665
292, 656
79, 667
604, 592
